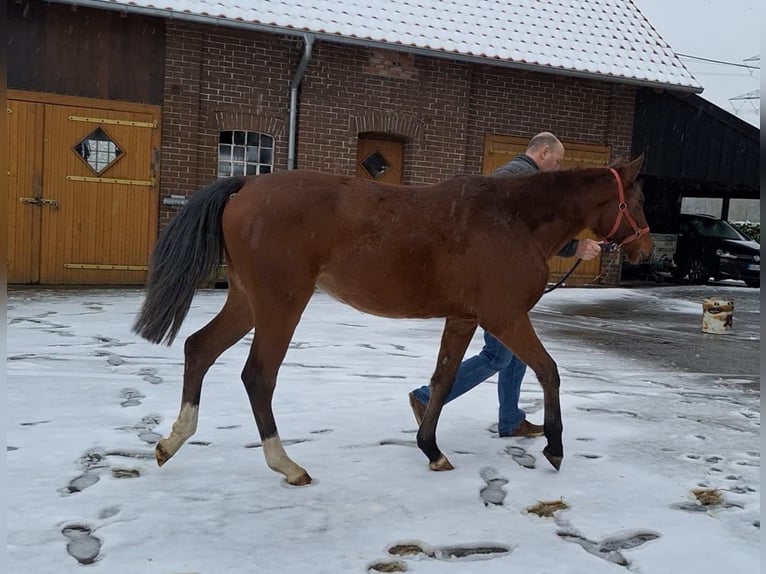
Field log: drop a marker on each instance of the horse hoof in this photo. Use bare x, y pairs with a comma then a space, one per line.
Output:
303, 480
441, 464
161, 454
555, 460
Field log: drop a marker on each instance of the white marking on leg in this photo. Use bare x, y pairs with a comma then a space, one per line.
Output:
277, 459
184, 427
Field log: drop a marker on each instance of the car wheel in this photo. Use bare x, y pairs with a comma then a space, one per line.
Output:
699, 271
756, 283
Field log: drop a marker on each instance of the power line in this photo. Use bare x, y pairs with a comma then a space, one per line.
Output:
718, 61
739, 76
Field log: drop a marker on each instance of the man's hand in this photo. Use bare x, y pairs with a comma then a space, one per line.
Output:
587, 249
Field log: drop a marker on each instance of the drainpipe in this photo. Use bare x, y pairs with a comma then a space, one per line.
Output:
294, 85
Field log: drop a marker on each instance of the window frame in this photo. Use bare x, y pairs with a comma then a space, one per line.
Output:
247, 153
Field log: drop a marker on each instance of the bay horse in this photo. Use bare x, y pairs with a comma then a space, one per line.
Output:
471, 249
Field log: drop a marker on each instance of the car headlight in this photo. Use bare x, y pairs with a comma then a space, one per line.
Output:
757, 258
725, 254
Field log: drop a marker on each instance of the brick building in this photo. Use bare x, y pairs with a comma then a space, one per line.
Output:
415, 96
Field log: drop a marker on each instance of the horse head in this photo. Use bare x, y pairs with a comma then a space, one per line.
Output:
623, 221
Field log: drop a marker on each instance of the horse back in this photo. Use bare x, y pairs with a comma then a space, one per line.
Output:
397, 251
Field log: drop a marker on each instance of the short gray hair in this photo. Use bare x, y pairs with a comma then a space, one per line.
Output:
541, 140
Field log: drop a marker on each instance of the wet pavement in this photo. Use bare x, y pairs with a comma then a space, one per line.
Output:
670, 340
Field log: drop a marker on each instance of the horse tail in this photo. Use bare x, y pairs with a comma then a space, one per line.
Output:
183, 258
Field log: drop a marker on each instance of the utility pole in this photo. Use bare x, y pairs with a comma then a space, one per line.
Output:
749, 102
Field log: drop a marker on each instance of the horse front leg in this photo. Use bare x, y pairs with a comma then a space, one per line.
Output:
455, 339
522, 340
201, 349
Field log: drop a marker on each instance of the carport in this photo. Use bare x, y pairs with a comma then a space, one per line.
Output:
692, 148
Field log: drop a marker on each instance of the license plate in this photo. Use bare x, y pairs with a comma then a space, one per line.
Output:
754, 267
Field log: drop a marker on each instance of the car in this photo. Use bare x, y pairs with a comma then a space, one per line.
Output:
711, 247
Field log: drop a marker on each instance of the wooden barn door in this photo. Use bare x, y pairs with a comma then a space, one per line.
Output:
502, 149
25, 139
92, 219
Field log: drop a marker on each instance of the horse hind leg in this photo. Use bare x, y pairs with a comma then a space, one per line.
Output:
455, 340
201, 350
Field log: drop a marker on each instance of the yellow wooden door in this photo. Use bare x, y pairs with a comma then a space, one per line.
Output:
25, 136
98, 201
502, 149
379, 159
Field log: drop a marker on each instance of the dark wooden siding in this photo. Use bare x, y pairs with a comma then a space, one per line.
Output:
82, 52
703, 149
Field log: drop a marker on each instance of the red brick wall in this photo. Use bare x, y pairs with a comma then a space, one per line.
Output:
180, 113
219, 79
340, 87
513, 102
217, 76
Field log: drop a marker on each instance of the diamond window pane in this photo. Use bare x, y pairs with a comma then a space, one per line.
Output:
98, 150
376, 165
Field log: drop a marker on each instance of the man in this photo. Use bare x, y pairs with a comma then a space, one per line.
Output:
544, 153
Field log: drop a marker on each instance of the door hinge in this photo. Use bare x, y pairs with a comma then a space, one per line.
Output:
106, 266
152, 124
144, 182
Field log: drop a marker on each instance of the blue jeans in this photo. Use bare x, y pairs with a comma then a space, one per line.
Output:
493, 358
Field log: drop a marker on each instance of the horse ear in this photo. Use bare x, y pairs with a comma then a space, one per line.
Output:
630, 171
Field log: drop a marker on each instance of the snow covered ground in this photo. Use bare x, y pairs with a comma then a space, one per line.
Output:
86, 400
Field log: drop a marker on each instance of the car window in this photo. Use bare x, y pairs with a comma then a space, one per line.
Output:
716, 228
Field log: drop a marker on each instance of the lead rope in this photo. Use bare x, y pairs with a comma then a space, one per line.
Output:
560, 282
605, 248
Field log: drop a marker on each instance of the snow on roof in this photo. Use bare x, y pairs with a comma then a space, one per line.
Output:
609, 39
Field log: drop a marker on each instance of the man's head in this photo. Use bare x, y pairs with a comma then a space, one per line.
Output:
546, 150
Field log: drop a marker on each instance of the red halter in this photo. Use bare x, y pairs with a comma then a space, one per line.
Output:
623, 212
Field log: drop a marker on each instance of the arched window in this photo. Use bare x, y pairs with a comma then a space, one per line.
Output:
245, 153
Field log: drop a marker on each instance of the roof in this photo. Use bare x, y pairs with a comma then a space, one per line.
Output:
694, 143
604, 39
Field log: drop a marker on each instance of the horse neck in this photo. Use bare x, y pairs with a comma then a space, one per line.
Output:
557, 206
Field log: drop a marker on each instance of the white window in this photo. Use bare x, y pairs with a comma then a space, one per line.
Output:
245, 153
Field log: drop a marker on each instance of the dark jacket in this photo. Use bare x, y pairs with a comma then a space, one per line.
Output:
522, 164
